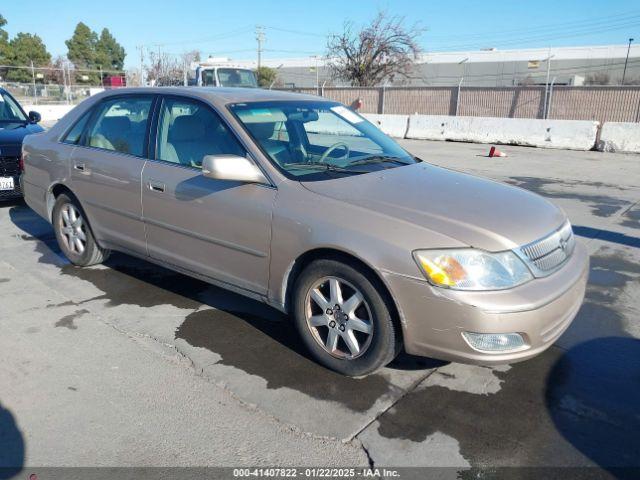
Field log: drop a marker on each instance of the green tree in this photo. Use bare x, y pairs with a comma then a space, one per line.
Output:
109, 53
266, 76
24, 49
81, 51
4, 41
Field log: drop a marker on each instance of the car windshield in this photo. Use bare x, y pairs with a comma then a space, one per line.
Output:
10, 112
237, 77
311, 140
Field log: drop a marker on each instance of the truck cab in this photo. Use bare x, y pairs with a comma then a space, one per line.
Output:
223, 76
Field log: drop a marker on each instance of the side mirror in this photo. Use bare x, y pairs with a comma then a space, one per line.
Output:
233, 168
34, 117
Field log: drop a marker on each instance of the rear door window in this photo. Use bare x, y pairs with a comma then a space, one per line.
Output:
120, 125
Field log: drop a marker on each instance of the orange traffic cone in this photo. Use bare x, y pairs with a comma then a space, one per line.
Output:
494, 152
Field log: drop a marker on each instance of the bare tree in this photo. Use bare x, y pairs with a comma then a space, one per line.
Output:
379, 52
188, 58
164, 70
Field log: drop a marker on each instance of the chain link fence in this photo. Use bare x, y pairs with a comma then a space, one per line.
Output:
601, 103
57, 85
66, 85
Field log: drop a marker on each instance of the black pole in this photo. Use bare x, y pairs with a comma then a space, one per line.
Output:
624, 72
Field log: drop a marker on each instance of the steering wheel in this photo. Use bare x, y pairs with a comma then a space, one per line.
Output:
334, 147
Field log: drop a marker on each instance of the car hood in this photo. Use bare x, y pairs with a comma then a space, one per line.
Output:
12, 134
477, 212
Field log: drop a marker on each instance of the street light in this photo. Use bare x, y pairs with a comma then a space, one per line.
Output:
624, 72
464, 70
546, 83
274, 80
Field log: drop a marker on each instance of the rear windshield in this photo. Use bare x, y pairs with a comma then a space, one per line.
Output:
237, 77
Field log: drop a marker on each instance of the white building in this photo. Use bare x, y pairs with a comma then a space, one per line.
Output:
568, 65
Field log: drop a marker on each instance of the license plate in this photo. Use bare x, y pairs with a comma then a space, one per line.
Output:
6, 183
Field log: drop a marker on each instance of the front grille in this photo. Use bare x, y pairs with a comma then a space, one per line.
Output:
9, 166
548, 253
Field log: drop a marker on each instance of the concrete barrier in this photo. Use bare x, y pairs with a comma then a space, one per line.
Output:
392, 125
567, 134
620, 137
50, 113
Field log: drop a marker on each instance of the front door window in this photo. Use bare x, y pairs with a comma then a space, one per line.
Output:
189, 130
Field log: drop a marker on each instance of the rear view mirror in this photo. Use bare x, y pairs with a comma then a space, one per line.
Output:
233, 168
304, 116
34, 117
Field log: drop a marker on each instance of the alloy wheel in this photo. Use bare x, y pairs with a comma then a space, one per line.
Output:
339, 318
73, 229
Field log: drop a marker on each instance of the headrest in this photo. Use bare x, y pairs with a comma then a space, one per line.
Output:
186, 128
262, 131
115, 125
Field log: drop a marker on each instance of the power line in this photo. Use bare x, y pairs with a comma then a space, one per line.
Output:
546, 28
233, 33
290, 51
297, 32
546, 38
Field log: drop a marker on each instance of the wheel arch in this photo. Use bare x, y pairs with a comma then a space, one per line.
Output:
53, 193
328, 253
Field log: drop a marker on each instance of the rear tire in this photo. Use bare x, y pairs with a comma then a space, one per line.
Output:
74, 234
342, 316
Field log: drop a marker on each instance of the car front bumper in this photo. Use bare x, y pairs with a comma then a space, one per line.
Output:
433, 319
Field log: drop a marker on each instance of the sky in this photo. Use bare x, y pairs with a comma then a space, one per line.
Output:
299, 28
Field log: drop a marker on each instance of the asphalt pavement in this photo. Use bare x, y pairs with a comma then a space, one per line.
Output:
130, 364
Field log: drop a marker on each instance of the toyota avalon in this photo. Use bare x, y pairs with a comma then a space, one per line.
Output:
301, 203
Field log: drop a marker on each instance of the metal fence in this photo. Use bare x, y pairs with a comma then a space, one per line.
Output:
54, 85
601, 103
50, 94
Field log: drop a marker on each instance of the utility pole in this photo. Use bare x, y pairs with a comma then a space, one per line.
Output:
317, 73
69, 95
33, 77
159, 65
626, 60
260, 39
141, 79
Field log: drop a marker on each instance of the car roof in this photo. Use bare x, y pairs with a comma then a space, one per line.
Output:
220, 95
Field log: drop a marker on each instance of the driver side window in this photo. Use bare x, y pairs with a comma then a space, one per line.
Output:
189, 130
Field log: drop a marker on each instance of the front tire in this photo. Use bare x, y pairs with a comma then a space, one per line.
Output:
74, 234
342, 316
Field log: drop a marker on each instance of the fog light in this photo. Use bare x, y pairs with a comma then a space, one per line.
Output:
494, 342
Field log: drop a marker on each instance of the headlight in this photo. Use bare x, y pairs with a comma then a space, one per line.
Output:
471, 269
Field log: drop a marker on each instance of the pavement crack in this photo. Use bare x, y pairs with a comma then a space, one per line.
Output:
368, 454
627, 210
406, 392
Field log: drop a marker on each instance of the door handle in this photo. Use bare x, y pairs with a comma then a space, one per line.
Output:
82, 168
156, 186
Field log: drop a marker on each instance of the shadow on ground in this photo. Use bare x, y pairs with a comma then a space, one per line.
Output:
12, 445
593, 398
607, 236
577, 407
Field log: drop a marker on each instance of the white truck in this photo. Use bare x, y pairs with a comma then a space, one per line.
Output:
221, 73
